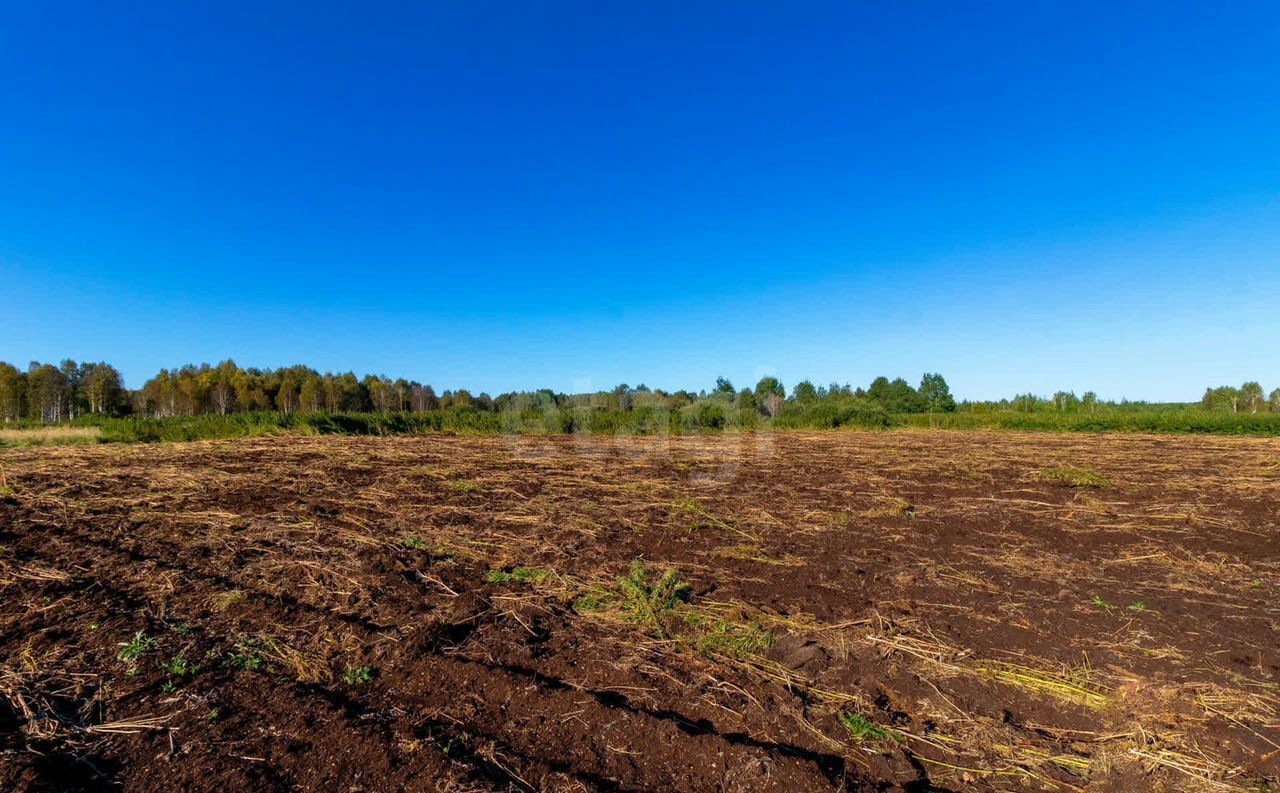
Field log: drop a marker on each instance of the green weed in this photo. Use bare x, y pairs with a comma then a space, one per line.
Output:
180, 666
724, 637
520, 575
358, 675
639, 596
647, 602
246, 655
861, 728
135, 648
1074, 477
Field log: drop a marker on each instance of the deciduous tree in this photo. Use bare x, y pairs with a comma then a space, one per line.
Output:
770, 395
13, 387
1252, 397
936, 394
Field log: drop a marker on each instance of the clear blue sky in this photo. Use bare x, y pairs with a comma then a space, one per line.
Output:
1023, 196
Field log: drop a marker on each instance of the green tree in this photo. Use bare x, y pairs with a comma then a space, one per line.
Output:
287, 393
1065, 400
379, 390
402, 392
1221, 398
1252, 397
896, 396
1090, 401
1275, 401
311, 393
13, 388
936, 394
1026, 403
71, 373
805, 392
48, 393
770, 395
102, 387
251, 390
191, 386
220, 384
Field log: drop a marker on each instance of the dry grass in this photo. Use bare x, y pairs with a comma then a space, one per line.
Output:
41, 436
984, 602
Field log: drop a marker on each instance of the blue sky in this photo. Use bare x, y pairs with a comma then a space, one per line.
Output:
1023, 196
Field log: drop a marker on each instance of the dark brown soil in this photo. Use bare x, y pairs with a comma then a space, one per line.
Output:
899, 611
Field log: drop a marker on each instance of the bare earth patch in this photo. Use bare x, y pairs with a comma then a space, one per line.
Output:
905, 611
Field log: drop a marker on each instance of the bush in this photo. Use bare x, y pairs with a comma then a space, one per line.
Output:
832, 413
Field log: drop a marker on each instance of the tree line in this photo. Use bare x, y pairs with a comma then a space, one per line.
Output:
46, 392
1248, 398
49, 393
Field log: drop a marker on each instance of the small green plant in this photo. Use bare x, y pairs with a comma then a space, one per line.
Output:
135, 648
245, 656
725, 637
596, 600
1100, 603
520, 575
862, 728
638, 596
414, 544
464, 486
180, 666
1137, 606
1072, 476
647, 602
168, 686
358, 675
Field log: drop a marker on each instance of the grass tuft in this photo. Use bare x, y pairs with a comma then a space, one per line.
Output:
861, 728
1071, 476
725, 637
519, 575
